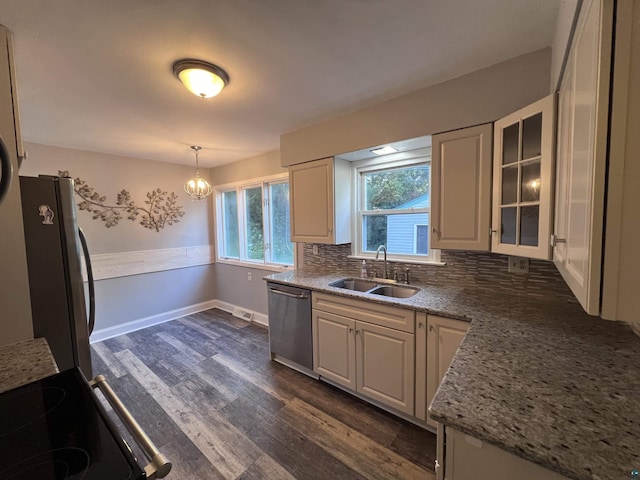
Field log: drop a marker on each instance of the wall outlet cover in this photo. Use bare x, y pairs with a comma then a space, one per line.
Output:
518, 265
249, 276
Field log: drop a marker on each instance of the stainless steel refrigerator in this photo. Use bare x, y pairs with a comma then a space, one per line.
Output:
55, 246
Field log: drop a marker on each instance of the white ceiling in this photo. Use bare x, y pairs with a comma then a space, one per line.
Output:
96, 74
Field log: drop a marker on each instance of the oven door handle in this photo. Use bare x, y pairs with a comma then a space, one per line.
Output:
159, 466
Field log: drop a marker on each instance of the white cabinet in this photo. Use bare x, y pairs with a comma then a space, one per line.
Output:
320, 193
437, 341
523, 181
461, 188
467, 457
582, 155
366, 347
15, 323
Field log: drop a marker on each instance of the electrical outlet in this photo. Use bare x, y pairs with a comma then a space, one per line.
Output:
518, 265
249, 276
315, 249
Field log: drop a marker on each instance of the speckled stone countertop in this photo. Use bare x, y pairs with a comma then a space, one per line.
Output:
535, 377
25, 362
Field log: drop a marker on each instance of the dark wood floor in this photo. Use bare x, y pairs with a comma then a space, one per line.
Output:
205, 391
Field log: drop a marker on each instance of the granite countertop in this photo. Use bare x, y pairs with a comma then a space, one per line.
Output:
25, 362
535, 377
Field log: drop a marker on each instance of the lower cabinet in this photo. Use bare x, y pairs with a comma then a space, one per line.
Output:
372, 359
467, 457
437, 341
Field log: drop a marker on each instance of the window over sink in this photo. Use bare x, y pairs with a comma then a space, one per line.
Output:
253, 223
392, 206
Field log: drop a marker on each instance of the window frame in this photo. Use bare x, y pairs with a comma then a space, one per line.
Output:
420, 156
240, 187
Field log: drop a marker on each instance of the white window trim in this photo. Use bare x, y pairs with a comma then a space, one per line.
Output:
416, 157
239, 187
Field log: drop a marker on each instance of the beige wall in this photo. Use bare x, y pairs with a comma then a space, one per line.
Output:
109, 174
479, 97
253, 167
136, 297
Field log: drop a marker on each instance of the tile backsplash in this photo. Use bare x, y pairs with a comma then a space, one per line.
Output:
478, 270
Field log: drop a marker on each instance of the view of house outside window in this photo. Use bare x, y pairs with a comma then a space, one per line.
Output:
253, 223
393, 209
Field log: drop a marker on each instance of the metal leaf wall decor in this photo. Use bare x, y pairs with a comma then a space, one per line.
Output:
161, 208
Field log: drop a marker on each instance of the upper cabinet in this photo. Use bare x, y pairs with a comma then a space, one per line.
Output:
582, 155
320, 201
523, 181
461, 188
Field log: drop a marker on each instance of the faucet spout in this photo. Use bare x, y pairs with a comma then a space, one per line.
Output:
384, 250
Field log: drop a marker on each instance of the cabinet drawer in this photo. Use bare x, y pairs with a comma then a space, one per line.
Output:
383, 315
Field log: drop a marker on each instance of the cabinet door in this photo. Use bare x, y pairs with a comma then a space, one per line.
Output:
385, 365
582, 140
461, 189
469, 457
443, 339
312, 195
523, 181
334, 348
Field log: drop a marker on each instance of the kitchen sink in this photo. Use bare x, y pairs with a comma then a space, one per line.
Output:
357, 284
395, 291
369, 286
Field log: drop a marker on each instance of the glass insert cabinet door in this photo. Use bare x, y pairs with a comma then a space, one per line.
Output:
523, 181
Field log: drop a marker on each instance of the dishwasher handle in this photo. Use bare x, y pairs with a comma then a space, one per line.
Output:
300, 296
159, 466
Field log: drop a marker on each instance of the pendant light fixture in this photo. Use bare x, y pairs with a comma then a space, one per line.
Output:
203, 79
197, 188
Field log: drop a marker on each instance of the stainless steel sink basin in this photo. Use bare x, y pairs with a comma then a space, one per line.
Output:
357, 284
395, 291
373, 286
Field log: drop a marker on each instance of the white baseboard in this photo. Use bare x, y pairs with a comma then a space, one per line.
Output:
128, 327
110, 332
259, 318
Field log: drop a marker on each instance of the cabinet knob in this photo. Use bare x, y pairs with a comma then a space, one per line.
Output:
350, 330
420, 325
437, 232
357, 332
431, 328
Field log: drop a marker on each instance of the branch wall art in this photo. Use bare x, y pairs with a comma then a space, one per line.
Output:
161, 208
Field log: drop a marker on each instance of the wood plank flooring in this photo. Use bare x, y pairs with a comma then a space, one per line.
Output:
205, 390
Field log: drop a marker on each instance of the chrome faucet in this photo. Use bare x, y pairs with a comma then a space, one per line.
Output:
384, 249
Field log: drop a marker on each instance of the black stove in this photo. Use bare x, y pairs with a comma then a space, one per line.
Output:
56, 429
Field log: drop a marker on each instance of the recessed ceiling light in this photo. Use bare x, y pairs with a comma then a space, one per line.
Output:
387, 149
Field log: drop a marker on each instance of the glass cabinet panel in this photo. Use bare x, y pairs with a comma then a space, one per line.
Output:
530, 184
522, 181
510, 142
532, 136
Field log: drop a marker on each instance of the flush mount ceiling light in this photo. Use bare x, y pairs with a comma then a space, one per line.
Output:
203, 79
387, 149
197, 188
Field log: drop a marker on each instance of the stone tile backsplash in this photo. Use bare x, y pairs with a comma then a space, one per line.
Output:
477, 270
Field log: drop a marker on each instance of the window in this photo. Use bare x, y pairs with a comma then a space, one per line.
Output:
253, 223
393, 202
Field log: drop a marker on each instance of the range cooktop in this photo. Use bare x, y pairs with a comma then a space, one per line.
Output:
56, 429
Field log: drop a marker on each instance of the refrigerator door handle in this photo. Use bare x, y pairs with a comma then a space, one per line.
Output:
6, 170
92, 291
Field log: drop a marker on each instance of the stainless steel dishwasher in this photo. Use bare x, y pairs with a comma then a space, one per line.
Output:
290, 337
